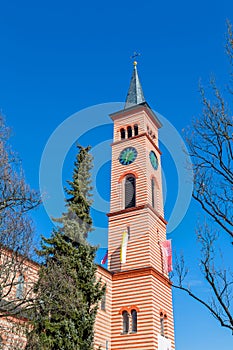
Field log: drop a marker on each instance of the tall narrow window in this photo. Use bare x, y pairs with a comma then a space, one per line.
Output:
128, 231
20, 287
162, 325
134, 321
125, 317
122, 131
103, 302
129, 131
153, 192
135, 130
130, 195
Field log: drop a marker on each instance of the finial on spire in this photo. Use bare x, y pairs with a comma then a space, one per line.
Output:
135, 94
135, 54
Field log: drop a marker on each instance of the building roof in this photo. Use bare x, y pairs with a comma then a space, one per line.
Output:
135, 94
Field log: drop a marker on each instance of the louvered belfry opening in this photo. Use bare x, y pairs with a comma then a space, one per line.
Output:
125, 317
134, 321
130, 192
153, 192
129, 131
122, 131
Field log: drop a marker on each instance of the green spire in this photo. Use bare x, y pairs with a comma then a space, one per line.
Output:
135, 94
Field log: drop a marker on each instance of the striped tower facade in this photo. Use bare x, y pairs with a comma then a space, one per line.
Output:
141, 315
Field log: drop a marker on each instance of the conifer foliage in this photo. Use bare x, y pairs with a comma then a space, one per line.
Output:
80, 201
67, 290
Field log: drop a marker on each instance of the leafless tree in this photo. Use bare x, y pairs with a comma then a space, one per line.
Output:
216, 273
16, 229
211, 149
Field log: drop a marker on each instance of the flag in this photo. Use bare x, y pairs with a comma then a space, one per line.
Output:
164, 343
167, 255
105, 258
124, 243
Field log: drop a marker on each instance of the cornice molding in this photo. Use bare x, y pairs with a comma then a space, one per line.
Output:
140, 207
144, 271
136, 137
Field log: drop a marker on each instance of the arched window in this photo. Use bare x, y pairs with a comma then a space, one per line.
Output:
129, 131
125, 318
103, 302
153, 192
122, 131
135, 130
130, 189
20, 287
134, 320
162, 325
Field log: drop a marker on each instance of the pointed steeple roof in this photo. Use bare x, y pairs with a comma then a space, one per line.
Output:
135, 94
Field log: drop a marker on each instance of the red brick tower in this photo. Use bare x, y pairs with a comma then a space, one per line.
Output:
142, 316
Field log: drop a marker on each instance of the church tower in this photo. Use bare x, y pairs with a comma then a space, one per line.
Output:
142, 316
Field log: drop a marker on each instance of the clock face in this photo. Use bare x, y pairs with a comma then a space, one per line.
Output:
128, 155
153, 160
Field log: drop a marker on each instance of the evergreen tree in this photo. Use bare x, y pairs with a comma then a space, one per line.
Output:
67, 291
79, 193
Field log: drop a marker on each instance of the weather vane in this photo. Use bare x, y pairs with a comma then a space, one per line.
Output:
135, 54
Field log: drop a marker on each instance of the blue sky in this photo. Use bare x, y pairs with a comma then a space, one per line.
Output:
58, 58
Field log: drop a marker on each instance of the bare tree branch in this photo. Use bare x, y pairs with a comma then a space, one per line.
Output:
220, 281
210, 142
16, 229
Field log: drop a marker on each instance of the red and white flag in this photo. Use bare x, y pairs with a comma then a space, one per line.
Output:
167, 255
103, 261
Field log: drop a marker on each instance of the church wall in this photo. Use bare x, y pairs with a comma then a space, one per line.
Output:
131, 291
12, 329
148, 292
156, 174
147, 231
162, 300
12, 333
138, 250
103, 318
120, 171
14, 267
141, 281
157, 236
